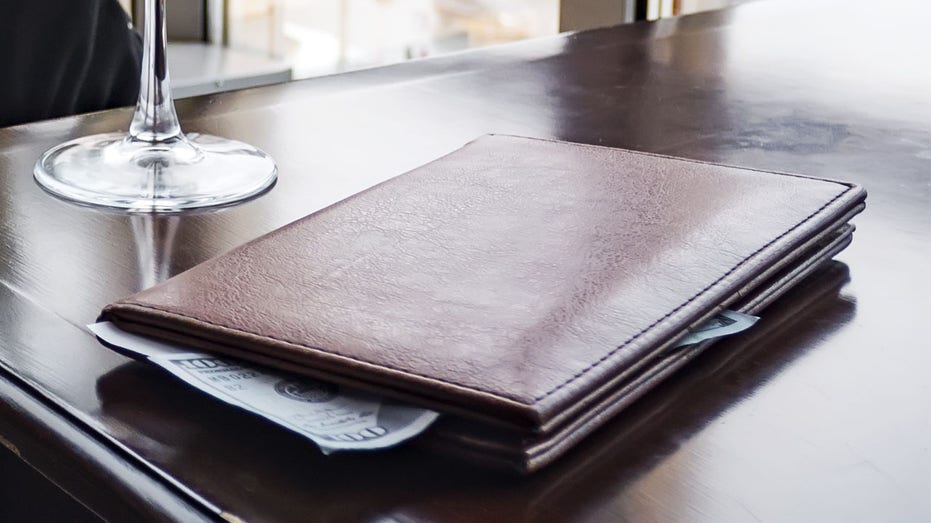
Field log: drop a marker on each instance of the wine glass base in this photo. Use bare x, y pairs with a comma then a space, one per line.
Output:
186, 172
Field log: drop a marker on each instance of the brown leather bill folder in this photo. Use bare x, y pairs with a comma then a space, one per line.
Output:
527, 289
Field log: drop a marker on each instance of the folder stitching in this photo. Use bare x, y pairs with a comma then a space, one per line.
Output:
690, 300
684, 160
579, 374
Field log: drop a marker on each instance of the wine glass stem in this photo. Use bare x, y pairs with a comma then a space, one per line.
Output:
155, 119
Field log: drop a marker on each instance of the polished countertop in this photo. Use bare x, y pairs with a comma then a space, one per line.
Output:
821, 412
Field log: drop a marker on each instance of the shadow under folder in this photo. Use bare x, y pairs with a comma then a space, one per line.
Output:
225, 453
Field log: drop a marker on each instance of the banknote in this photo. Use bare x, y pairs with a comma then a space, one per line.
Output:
722, 324
332, 416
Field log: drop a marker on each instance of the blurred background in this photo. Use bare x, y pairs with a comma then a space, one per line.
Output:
228, 44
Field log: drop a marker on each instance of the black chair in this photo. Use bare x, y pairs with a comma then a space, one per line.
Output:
63, 57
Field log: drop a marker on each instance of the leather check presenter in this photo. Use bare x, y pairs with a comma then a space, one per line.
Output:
527, 289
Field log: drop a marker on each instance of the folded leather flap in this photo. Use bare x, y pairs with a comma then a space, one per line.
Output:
506, 280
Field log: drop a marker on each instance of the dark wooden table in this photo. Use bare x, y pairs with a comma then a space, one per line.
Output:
822, 412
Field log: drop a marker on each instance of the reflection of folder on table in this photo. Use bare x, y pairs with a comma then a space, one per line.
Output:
528, 289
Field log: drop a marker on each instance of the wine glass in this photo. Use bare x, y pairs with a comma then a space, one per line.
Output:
156, 167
